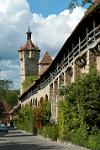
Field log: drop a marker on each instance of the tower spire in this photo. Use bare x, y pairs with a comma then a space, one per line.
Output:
28, 33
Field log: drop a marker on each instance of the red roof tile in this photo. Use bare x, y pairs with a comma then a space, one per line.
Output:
46, 59
29, 45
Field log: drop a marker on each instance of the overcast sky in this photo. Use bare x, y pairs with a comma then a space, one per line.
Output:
50, 23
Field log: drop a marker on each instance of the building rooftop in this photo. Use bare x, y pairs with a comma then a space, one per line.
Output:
46, 59
29, 44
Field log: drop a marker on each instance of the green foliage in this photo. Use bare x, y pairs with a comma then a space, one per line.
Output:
50, 131
63, 120
8, 97
29, 80
25, 119
1, 110
79, 136
79, 113
53, 132
45, 112
12, 97
4, 86
94, 141
32, 120
42, 114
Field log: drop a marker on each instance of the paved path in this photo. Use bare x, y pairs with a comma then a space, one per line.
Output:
18, 140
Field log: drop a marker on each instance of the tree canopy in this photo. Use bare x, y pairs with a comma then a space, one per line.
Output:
8, 96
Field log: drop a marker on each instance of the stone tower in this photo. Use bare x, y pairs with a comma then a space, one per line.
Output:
29, 59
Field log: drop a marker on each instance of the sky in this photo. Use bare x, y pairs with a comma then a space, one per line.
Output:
50, 22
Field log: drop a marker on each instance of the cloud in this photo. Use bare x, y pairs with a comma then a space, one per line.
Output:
9, 64
10, 71
49, 33
14, 16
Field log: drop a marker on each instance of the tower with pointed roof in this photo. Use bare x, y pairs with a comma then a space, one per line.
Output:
29, 55
44, 63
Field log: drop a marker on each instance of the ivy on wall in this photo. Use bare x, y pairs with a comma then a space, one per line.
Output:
29, 80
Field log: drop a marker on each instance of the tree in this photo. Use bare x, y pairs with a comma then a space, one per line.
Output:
79, 113
4, 86
8, 97
45, 111
12, 97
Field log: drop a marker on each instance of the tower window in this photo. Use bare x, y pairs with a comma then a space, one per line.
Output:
30, 54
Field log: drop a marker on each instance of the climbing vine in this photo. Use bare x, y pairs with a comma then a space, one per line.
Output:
29, 80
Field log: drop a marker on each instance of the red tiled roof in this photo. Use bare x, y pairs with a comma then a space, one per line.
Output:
28, 45
46, 59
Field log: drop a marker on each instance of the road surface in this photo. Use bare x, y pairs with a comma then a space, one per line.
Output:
20, 140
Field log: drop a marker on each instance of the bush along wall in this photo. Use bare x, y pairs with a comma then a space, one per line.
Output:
25, 120
42, 121
34, 119
79, 113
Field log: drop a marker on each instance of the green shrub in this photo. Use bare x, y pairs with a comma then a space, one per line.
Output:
45, 131
25, 120
94, 141
79, 137
63, 120
45, 111
79, 113
50, 131
53, 132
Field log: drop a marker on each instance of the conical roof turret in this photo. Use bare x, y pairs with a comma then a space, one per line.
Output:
46, 59
29, 44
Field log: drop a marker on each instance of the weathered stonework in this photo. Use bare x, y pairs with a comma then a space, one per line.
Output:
92, 59
29, 60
